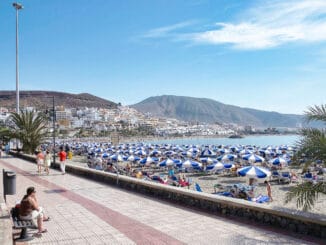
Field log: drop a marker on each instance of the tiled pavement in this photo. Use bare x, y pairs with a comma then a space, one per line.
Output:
86, 212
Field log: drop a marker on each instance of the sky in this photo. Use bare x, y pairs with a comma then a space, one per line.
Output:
262, 54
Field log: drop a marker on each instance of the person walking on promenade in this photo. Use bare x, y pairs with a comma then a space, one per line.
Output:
269, 190
39, 161
47, 161
63, 157
29, 209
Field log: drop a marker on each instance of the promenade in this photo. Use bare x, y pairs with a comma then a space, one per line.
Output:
86, 212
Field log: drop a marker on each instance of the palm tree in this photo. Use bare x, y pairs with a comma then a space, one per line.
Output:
313, 146
29, 127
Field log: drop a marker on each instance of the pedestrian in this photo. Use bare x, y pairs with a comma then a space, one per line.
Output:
39, 161
269, 190
47, 161
63, 157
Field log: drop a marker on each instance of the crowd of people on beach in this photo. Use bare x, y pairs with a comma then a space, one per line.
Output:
165, 164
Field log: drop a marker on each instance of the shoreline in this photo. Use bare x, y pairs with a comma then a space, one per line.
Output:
136, 139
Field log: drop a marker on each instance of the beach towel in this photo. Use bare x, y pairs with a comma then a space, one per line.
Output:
262, 199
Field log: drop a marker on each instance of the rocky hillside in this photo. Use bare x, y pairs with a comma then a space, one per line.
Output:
211, 111
41, 99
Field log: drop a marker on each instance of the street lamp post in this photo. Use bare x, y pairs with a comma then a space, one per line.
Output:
18, 7
53, 126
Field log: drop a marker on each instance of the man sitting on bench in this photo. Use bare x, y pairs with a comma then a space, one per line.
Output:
30, 210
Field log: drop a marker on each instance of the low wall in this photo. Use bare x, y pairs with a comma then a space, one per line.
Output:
5, 220
292, 220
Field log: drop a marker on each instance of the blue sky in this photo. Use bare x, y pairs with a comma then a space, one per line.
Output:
268, 55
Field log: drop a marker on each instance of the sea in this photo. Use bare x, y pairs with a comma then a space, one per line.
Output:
262, 140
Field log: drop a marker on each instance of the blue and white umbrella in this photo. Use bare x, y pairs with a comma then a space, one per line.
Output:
215, 166
228, 165
278, 161
169, 153
245, 152
116, 157
208, 160
140, 153
105, 155
227, 158
133, 158
252, 158
169, 162
148, 160
190, 164
254, 172
155, 153
207, 153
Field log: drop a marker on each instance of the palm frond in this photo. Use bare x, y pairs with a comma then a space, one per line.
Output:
316, 113
306, 194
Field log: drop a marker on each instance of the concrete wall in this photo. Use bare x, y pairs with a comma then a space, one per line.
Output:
5, 220
292, 220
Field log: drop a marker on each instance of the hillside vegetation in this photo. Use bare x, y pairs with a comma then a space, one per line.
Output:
211, 111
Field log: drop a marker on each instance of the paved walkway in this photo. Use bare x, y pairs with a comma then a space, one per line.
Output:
86, 212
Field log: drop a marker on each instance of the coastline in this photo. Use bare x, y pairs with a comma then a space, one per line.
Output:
152, 138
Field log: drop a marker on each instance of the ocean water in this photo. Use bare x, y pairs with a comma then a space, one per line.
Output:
263, 140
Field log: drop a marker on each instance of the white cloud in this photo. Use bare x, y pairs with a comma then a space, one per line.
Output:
166, 30
263, 26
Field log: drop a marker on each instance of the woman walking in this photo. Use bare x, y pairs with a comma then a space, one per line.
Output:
39, 161
47, 162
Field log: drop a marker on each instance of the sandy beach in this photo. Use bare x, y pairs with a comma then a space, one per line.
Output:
207, 183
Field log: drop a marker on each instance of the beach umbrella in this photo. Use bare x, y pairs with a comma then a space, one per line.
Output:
278, 161
169, 162
222, 151
228, 165
215, 166
245, 152
169, 153
99, 150
155, 153
254, 172
208, 160
207, 153
190, 164
133, 158
105, 155
227, 157
252, 158
116, 157
140, 153
148, 160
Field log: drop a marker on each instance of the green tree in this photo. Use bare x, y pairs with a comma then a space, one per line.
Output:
29, 127
313, 146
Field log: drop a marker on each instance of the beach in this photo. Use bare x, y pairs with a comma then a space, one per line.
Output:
208, 181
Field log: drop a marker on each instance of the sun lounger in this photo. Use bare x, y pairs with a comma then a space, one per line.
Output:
285, 177
307, 177
275, 175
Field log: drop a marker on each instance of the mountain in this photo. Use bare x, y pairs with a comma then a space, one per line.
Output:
211, 111
41, 99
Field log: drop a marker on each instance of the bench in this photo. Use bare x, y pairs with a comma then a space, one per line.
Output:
21, 224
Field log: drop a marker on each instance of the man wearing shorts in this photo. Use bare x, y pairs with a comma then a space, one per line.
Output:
63, 157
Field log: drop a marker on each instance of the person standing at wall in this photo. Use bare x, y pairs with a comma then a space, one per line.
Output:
269, 190
63, 157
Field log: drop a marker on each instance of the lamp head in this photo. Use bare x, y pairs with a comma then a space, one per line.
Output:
17, 6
